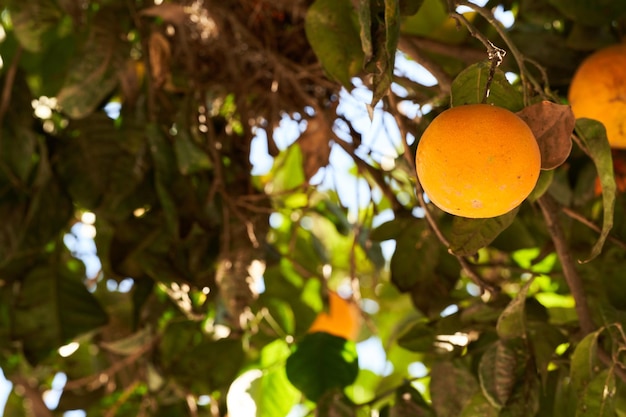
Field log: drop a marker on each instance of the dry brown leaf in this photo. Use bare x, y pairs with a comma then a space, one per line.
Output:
160, 56
552, 125
314, 144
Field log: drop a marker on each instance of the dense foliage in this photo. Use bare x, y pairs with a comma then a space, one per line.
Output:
145, 123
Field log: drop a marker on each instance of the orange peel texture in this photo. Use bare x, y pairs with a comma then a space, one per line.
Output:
478, 161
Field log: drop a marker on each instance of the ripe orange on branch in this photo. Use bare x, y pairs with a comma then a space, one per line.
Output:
598, 91
342, 319
478, 161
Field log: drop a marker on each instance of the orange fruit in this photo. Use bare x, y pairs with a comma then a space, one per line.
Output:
343, 318
477, 161
598, 91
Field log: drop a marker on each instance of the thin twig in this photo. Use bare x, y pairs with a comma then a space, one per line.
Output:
9, 79
583, 220
95, 381
550, 210
464, 53
412, 50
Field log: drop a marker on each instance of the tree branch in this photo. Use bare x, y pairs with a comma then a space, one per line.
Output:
550, 210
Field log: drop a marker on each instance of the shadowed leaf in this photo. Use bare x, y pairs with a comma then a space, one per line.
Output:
512, 322
322, 362
497, 373
469, 235
592, 135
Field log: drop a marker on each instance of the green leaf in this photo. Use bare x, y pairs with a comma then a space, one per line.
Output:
272, 392
469, 235
525, 398
512, 322
544, 339
164, 163
287, 173
322, 362
391, 229
479, 406
415, 257
365, 24
599, 396
189, 156
593, 140
198, 362
420, 337
452, 387
331, 29
433, 21
469, 87
409, 402
584, 362
101, 165
53, 306
591, 12
386, 35
32, 20
409, 7
93, 74
496, 372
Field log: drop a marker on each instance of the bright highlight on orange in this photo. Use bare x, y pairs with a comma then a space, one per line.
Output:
343, 318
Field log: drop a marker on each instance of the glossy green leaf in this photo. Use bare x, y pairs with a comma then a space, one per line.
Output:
469, 87
452, 388
512, 322
467, 236
322, 362
592, 135
334, 36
